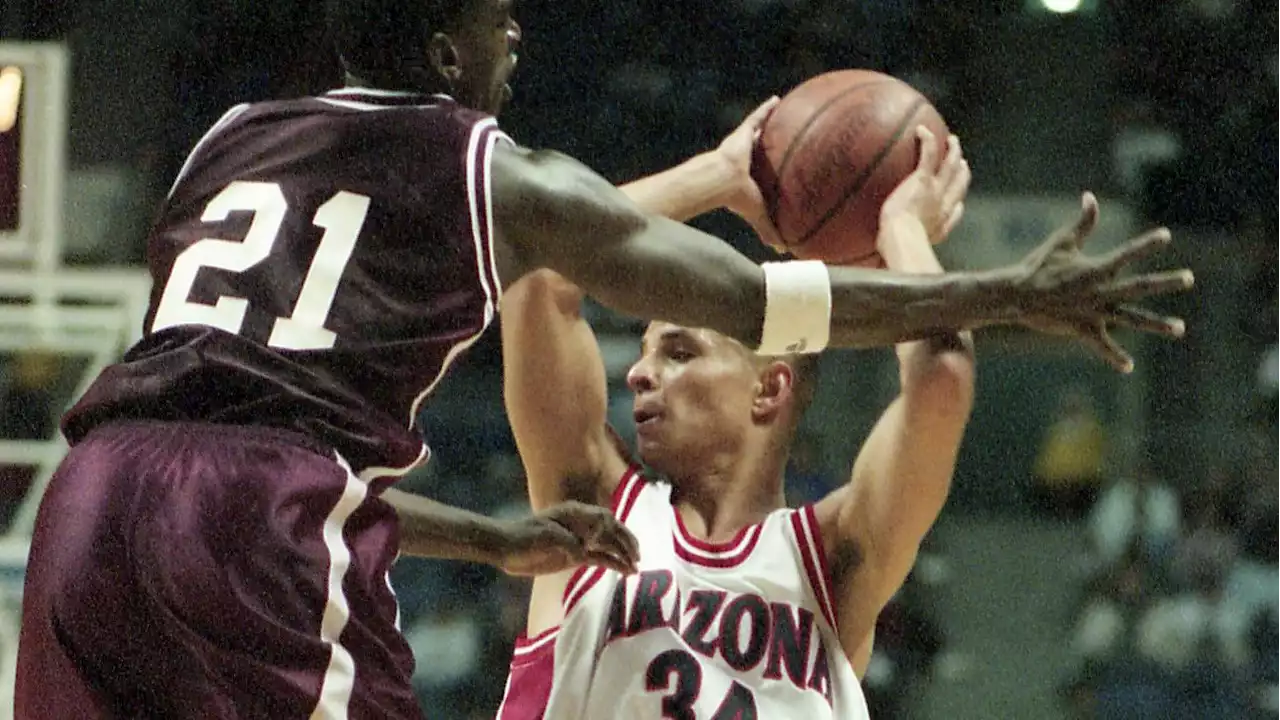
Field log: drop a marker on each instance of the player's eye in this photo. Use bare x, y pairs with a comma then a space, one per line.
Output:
680, 354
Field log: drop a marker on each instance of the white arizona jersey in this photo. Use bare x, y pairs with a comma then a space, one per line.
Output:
705, 631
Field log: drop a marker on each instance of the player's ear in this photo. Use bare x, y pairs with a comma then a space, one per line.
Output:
774, 389
443, 56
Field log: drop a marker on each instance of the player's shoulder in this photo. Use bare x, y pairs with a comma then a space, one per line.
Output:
364, 107
376, 103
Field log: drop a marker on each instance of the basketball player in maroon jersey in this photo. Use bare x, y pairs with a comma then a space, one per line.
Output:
216, 542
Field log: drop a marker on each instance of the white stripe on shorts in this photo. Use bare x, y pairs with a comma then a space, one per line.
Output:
340, 675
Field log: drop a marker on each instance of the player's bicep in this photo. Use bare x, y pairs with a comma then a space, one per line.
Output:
555, 391
553, 212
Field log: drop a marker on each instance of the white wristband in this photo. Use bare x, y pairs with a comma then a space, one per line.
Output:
797, 311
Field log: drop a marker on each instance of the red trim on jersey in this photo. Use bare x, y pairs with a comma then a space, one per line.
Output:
812, 557
624, 498
716, 555
583, 588
529, 681
528, 648
820, 550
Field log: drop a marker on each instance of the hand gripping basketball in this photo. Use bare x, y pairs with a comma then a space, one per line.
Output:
935, 191
565, 536
744, 198
1062, 291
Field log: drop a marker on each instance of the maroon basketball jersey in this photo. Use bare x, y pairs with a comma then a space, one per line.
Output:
317, 265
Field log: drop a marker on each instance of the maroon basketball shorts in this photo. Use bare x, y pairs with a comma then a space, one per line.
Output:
187, 570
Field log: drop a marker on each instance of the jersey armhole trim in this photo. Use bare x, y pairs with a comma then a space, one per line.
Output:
222, 123
804, 522
529, 650
484, 137
627, 492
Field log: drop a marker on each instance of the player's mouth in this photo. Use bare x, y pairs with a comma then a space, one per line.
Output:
646, 418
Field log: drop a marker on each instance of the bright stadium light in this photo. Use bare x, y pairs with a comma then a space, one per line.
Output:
1061, 7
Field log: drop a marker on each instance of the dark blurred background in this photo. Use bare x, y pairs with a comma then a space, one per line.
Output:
1109, 550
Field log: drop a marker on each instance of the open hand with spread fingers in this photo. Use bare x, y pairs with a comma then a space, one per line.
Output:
565, 536
1062, 291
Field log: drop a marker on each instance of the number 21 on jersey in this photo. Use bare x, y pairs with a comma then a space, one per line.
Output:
341, 216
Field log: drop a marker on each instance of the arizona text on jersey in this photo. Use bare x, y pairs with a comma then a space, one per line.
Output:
737, 630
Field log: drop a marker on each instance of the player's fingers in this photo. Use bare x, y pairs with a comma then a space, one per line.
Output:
1144, 320
1087, 220
563, 539
1096, 338
601, 531
618, 541
928, 151
1140, 247
957, 187
1139, 286
769, 234
626, 541
756, 119
957, 213
613, 562
951, 162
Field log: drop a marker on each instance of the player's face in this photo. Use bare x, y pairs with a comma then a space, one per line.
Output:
693, 391
485, 45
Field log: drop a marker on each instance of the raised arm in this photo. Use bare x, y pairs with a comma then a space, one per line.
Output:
550, 211
556, 394
873, 526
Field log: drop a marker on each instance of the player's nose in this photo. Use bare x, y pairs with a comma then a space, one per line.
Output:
640, 378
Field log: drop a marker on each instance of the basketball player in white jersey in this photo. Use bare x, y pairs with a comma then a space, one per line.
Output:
742, 608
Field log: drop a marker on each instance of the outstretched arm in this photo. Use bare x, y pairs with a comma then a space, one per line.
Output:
550, 211
561, 537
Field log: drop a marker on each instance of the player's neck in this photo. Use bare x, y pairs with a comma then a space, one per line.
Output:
352, 80
731, 492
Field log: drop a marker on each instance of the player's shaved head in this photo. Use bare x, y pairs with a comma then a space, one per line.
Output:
384, 41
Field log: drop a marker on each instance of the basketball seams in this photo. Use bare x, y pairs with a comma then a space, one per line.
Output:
799, 137
861, 179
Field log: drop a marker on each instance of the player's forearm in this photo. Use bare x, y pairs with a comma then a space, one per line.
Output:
685, 191
435, 530
669, 271
942, 364
556, 213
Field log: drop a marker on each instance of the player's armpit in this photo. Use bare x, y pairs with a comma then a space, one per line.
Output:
556, 393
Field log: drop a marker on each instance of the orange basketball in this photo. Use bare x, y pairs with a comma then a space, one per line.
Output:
829, 155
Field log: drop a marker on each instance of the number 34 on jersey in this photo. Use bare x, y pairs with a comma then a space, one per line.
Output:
760, 642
